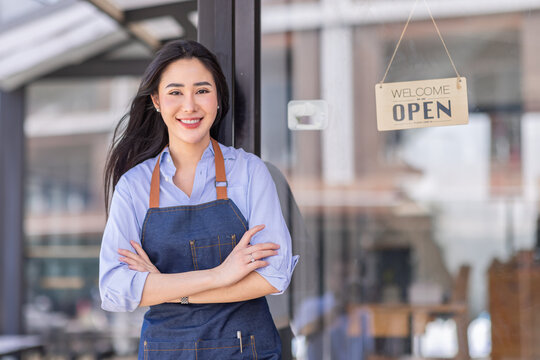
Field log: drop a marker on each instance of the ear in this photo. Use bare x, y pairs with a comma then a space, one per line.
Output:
155, 100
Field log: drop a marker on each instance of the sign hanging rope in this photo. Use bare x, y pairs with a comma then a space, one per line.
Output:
440, 37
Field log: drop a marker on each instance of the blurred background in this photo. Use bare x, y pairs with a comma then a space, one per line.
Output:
413, 244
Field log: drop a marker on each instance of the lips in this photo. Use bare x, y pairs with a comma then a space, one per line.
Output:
190, 122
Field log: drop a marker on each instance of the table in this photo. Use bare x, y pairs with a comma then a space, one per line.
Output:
19, 344
406, 321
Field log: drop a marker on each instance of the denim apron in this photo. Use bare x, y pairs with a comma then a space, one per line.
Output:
187, 238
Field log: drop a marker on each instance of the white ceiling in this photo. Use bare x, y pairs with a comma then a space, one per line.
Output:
71, 34
65, 37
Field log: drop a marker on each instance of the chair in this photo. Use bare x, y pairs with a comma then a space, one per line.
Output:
459, 297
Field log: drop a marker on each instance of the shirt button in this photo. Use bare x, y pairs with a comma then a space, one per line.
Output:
166, 179
169, 159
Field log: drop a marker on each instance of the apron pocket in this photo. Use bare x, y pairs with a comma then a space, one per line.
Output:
201, 350
227, 349
209, 253
165, 350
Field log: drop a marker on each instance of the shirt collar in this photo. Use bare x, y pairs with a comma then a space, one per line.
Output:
164, 154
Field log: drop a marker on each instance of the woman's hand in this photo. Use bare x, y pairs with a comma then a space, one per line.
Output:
139, 261
244, 258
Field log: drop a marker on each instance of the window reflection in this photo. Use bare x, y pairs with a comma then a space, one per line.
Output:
414, 239
68, 128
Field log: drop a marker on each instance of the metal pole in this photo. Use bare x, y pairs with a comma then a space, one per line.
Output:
11, 210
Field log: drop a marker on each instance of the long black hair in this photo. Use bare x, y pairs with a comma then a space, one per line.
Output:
141, 134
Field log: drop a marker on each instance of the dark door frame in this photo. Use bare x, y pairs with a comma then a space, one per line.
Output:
232, 30
12, 106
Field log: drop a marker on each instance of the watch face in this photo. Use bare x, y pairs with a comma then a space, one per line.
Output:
184, 300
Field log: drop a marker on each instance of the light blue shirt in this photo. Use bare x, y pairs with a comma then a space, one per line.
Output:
251, 188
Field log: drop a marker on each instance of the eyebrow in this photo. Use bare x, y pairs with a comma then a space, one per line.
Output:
201, 83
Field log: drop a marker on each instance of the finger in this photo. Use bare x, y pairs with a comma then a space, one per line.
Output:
263, 254
129, 254
125, 260
262, 246
248, 234
137, 268
126, 253
140, 250
141, 267
257, 264
129, 261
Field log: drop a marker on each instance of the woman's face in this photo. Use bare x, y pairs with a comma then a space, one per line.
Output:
187, 100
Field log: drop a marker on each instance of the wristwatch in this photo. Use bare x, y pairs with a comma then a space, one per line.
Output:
184, 300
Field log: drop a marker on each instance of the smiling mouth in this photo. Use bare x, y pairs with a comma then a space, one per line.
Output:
190, 121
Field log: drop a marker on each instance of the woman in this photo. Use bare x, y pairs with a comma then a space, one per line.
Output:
177, 237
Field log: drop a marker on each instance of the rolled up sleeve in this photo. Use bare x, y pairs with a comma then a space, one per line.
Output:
120, 288
264, 208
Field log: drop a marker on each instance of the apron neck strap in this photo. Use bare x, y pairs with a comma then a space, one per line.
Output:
221, 178
154, 184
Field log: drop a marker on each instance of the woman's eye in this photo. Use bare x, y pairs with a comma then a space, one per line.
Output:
202, 91
174, 93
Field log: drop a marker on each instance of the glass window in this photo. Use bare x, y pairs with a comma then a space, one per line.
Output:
68, 127
417, 242
53, 97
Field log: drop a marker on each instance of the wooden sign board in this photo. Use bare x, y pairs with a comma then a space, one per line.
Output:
424, 103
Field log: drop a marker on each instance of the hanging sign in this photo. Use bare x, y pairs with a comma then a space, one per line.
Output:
423, 103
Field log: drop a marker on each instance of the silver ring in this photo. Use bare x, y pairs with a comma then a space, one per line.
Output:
252, 258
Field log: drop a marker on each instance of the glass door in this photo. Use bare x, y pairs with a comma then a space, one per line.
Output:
417, 242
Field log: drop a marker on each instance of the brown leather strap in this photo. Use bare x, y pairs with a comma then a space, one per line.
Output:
221, 178
154, 185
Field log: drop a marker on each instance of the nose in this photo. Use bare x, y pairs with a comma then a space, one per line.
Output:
189, 104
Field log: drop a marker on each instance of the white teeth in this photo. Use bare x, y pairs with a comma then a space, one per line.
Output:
190, 121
